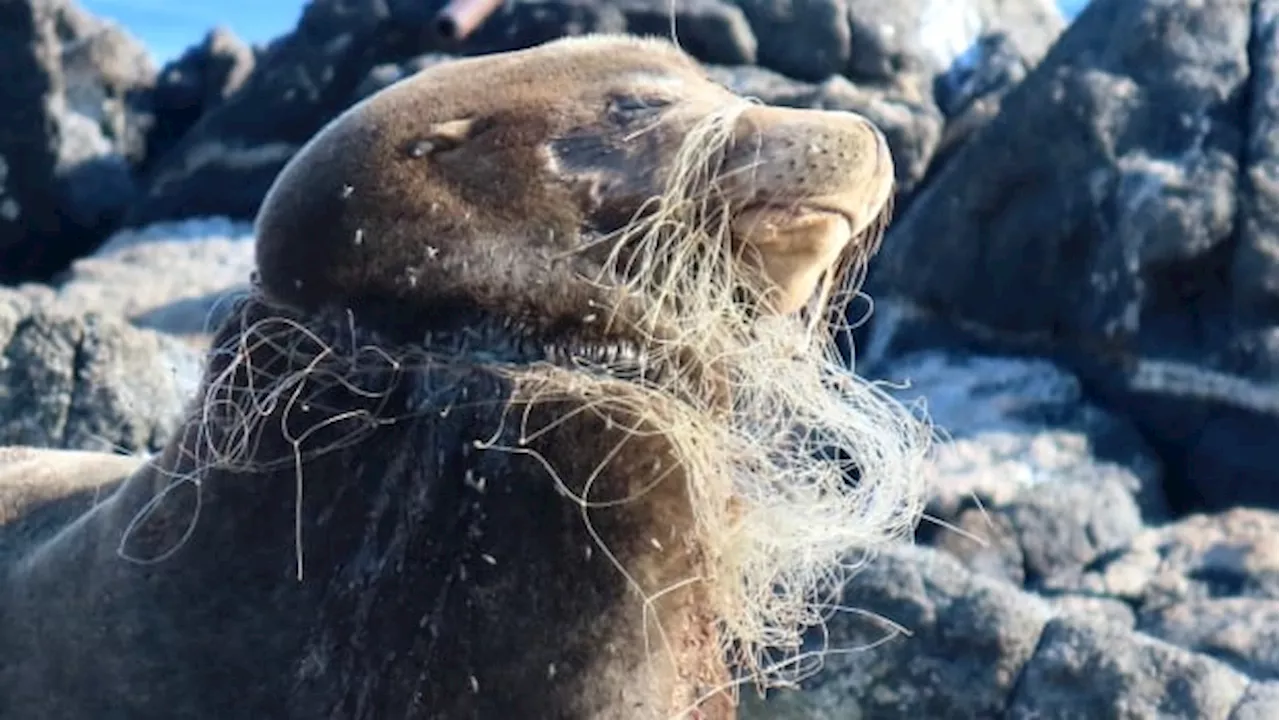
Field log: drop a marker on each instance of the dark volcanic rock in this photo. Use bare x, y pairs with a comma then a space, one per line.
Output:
72, 120
927, 638
713, 31
525, 23
187, 88
1046, 532
1095, 670
227, 160
1208, 583
710, 30
991, 66
970, 93
805, 39
1032, 482
1255, 269
1100, 219
916, 41
88, 382
969, 636
1016, 426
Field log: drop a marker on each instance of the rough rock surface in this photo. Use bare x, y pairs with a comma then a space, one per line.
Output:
966, 638
713, 31
1083, 669
1261, 702
176, 278
1113, 246
193, 85
975, 647
916, 41
88, 382
72, 120
1013, 424
224, 164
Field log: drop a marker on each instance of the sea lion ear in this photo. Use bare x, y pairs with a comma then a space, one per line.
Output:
442, 137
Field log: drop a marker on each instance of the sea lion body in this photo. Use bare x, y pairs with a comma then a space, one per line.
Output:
373, 509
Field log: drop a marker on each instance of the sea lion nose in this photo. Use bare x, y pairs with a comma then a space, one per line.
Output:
865, 140
810, 152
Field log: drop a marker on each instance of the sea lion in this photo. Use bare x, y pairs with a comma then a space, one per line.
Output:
532, 413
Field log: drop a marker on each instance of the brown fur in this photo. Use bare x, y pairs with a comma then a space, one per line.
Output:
530, 158
420, 260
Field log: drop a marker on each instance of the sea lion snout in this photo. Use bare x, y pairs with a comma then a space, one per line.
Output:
808, 182
830, 159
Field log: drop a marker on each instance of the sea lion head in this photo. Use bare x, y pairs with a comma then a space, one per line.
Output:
493, 181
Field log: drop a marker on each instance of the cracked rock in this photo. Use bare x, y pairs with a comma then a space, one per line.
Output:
224, 164
1093, 670
1261, 702
968, 638
194, 84
176, 278
1242, 632
1231, 554
73, 121
976, 647
88, 382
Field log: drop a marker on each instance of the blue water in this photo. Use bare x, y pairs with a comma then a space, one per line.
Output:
168, 27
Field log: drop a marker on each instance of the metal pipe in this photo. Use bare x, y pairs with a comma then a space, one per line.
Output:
460, 18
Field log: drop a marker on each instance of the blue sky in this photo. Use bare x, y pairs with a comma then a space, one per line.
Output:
168, 27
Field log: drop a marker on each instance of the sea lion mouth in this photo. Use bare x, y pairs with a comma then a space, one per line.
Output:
796, 243
774, 215
757, 221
